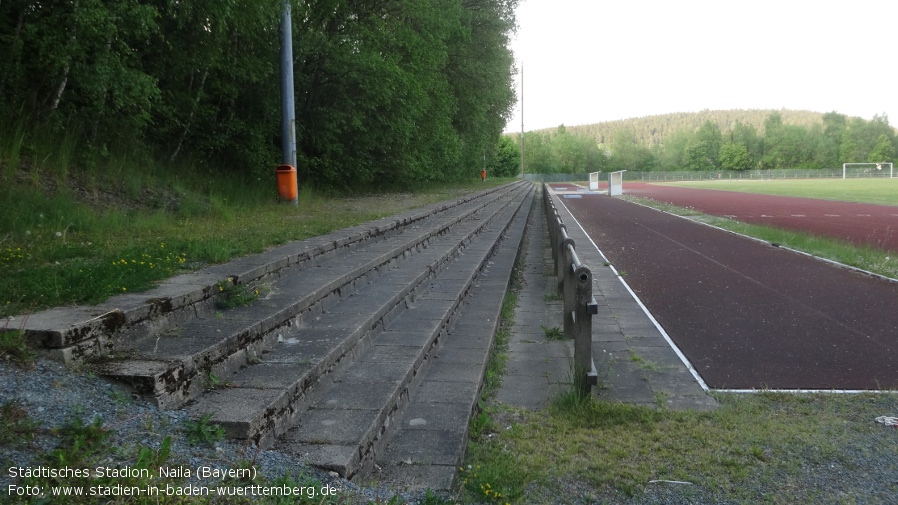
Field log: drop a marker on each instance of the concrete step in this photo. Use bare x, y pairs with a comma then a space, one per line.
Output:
73, 334
339, 362
436, 350
427, 442
178, 359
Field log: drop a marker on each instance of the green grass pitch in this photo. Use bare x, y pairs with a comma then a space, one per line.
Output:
881, 191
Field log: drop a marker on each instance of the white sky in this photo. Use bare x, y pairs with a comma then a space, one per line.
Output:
588, 61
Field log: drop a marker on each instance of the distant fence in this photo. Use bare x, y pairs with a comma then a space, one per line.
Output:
575, 285
556, 177
676, 175
790, 173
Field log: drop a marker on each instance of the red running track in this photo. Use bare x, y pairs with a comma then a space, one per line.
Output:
858, 223
747, 314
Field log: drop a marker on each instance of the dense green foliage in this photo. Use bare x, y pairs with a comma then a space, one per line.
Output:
388, 92
712, 140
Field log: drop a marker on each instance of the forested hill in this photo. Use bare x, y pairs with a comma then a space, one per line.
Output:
652, 130
712, 140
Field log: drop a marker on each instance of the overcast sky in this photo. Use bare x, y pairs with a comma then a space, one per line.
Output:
588, 61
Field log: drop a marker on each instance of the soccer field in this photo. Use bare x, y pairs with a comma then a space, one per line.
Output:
877, 191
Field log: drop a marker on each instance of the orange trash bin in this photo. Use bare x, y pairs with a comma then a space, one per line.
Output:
286, 175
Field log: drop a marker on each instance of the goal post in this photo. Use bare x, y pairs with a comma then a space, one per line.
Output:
871, 167
616, 183
594, 181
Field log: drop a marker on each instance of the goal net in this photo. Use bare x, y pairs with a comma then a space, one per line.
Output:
616, 183
594, 181
880, 169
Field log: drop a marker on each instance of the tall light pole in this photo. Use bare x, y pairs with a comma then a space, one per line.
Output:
522, 120
288, 105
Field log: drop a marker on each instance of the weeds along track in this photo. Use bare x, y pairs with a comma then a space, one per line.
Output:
331, 334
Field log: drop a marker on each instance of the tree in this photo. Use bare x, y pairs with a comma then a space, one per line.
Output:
79, 62
785, 146
626, 154
704, 150
734, 157
834, 125
882, 151
389, 92
507, 161
538, 156
671, 155
848, 148
747, 135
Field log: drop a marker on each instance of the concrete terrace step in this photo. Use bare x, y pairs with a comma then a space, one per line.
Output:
347, 422
72, 334
175, 359
427, 442
343, 373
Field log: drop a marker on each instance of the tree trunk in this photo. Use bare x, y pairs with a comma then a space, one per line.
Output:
57, 95
196, 102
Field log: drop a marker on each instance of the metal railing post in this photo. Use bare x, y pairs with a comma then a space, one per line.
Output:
568, 282
585, 307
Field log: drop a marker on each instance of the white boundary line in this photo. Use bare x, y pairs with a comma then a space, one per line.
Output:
676, 349
809, 391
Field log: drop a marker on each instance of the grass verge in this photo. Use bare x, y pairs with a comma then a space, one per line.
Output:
762, 448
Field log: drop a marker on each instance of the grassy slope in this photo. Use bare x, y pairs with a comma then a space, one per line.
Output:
62, 245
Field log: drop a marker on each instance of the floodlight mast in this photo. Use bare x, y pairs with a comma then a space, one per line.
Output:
522, 120
288, 103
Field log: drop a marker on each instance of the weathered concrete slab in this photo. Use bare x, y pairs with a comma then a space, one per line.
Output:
408, 337
237, 409
428, 447
369, 396
269, 375
418, 477
460, 356
464, 390
335, 427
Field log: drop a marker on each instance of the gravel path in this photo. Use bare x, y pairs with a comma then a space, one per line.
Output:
52, 396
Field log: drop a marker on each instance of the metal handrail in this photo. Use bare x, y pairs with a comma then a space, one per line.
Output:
575, 287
